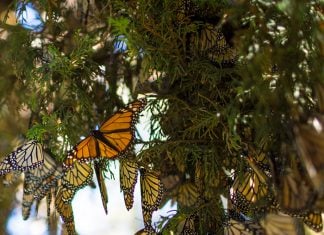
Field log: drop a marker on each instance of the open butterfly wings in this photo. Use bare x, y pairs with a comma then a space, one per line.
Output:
27, 156
113, 139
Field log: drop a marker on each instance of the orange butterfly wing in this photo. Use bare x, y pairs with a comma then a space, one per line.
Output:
113, 139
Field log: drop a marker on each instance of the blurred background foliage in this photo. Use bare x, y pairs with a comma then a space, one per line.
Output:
264, 76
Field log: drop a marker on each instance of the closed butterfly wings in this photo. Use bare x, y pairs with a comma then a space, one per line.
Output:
28, 197
280, 224
283, 224
310, 146
27, 156
5, 166
75, 178
113, 138
128, 172
151, 189
313, 220
65, 211
38, 182
187, 226
249, 189
102, 185
211, 43
151, 195
234, 227
187, 194
294, 191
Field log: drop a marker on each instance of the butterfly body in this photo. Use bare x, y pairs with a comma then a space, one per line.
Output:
100, 137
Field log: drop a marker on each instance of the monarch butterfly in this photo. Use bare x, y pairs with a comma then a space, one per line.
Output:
78, 176
147, 218
27, 201
48, 168
38, 183
208, 37
67, 194
48, 175
151, 195
46, 185
51, 194
187, 226
27, 156
187, 194
294, 191
295, 194
313, 220
211, 42
250, 189
113, 139
309, 142
234, 227
30, 184
151, 189
277, 224
65, 211
102, 185
261, 161
128, 172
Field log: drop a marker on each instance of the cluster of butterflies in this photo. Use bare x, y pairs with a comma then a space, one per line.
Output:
273, 196
264, 198
114, 139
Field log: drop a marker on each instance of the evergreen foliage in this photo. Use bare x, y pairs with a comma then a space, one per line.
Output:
224, 79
